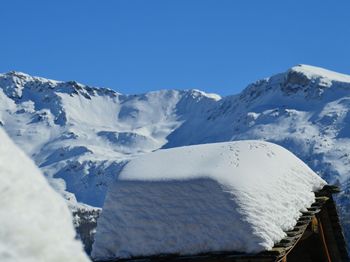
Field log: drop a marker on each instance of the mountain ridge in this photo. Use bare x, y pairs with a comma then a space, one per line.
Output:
82, 136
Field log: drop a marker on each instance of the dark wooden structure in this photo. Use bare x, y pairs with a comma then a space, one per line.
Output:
317, 237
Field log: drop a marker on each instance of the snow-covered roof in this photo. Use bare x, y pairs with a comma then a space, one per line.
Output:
234, 196
36, 224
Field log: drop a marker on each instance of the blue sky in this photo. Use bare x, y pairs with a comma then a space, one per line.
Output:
134, 46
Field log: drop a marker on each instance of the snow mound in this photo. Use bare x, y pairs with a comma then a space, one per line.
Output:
36, 224
233, 196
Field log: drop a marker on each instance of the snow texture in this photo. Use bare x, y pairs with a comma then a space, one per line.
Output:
36, 224
233, 196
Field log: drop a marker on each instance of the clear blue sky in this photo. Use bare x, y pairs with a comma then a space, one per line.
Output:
134, 46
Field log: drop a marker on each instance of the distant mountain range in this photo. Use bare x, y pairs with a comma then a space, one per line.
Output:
81, 136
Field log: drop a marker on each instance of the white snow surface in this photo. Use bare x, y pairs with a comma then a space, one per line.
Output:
232, 196
36, 225
317, 72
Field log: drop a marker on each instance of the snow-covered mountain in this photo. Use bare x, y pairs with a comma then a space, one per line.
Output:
81, 136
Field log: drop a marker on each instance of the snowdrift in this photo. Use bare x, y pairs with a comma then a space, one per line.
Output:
36, 224
234, 196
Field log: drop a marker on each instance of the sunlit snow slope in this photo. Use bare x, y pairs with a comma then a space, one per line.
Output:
83, 135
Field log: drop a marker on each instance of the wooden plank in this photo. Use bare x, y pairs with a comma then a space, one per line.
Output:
324, 243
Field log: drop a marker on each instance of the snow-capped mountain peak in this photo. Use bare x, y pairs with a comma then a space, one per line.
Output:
301, 82
313, 72
312, 81
82, 136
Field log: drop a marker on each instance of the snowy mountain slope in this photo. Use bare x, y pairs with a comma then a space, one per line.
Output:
84, 135
36, 224
81, 137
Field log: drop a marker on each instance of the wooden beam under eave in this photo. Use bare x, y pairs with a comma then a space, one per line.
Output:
324, 242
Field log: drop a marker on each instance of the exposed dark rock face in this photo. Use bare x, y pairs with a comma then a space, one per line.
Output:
85, 222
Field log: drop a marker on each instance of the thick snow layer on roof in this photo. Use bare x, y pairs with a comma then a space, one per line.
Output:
36, 224
233, 196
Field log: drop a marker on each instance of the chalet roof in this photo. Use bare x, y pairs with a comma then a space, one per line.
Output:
323, 201
238, 196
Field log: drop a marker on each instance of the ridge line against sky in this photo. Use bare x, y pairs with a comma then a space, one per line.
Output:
139, 46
